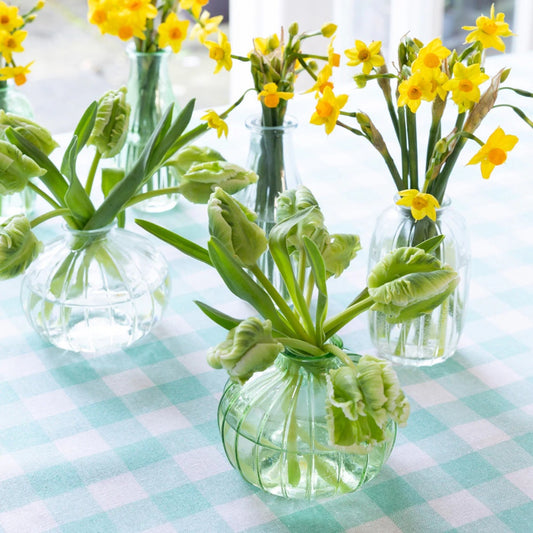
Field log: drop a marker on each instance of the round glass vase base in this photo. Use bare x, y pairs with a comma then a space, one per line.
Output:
274, 430
96, 291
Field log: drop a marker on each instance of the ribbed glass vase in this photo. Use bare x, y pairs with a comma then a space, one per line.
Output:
431, 338
96, 291
275, 432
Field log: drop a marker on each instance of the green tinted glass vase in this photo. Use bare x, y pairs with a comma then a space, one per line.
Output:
149, 95
13, 101
275, 432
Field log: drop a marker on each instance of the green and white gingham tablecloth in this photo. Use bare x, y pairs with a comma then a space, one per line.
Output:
128, 441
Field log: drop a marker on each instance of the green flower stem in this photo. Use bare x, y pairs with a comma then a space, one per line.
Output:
152, 194
363, 295
413, 149
42, 194
341, 354
92, 171
335, 323
403, 146
434, 134
310, 288
301, 268
240, 58
300, 345
61, 212
288, 313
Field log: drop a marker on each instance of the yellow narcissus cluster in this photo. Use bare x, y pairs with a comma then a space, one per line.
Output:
153, 25
435, 75
12, 35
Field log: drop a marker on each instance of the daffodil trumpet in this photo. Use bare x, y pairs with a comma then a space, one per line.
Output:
406, 283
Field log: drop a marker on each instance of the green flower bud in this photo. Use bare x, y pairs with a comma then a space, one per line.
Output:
200, 180
293, 29
313, 65
111, 125
248, 348
232, 224
193, 155
339, 250
288, 203
328, 29
360, 80
409, 282
15, 169
18, 246
31, 131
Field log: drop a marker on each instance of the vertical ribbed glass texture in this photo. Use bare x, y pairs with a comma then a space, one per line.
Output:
431, 338
274, 431
96, 291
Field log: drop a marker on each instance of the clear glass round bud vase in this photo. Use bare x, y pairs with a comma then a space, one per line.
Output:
274, 431
271, 157
149, 95
13, 101
431, 338
96, 291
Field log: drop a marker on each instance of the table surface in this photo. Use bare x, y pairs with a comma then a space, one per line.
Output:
128, 441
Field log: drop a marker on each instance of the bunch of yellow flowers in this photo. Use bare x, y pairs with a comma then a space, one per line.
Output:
12, 35
153, 25
430, 73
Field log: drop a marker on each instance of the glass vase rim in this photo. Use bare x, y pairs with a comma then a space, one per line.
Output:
133, 52
446, 203
95, 231
253, 122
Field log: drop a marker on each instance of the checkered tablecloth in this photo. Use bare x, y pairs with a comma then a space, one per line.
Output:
128, 441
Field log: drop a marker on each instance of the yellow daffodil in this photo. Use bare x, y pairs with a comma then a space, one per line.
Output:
494, 152
195, 6
214, 121
11, 42
415, 89
431, 56
328, 29
220, 52
328, 109
334, 59
143, 9
124, 25
421, 204
9, 18
17, 74
206, 26
464, 85
489, 31
322, 80
369, 55
266, 45
172, 32
270, 96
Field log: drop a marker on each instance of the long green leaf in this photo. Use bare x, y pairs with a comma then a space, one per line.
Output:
76, 197
54, 181
430, 244
220, 318
133, 180
242, 285
181, 243
519, 112
319, 273
278, 249
85, 126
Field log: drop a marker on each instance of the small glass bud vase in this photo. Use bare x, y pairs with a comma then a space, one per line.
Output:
431, 338
271, 157
149, 95
274, 431
96, 291
13, 101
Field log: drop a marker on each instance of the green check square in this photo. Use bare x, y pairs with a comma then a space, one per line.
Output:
519, 519
394, 495
55, 480
488, 404
74, 374
98, 523
184, 390
142, 453
313, 520
181, 501
106, 412
470, 470
422, 425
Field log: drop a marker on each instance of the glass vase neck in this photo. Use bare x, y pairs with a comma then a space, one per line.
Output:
256, 126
